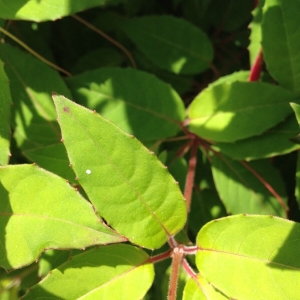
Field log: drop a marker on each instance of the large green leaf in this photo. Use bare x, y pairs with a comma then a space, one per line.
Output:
5, 104
228, 112
198, 288
110, 272
171, 43
245, 190
44, 10
275, 141
251, 257
281, 41
137, 102
34, 117
38, 211
126, 183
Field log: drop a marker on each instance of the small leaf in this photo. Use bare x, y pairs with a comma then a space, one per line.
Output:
251, 257
281, 42
231, 111
137, 102
126, 183
109, 272
257, 189
44, 10
171, 43
38, 211
5, 106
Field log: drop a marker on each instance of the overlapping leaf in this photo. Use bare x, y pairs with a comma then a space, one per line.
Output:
110, 272
5, 106
251, 257
253, 187
227, 112
126, 183
44, 10
281, 42
137, 102
276, 141
171, 43
39, 210
34, 117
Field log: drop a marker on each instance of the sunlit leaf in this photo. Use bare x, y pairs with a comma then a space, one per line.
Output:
137, 102
38, 211
110, 272
251, 257
44, 10
228, 112
126, 183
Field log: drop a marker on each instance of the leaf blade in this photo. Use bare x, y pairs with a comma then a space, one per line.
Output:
121, 175
233, 258
30, 227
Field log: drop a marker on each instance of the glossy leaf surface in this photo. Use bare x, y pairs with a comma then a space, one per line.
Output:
43, 10
5, 107
282, 58
110, 272
171, 43
228, 112
241, 252
253, 187
40, 210
126, 183
137, 102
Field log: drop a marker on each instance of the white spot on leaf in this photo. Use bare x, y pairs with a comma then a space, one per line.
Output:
88, 171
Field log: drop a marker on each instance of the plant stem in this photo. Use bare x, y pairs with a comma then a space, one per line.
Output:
107, 37
189, 183
160, 257
175, 268
41, 58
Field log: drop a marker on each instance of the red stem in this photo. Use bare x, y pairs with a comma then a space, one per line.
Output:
160, 257
189, 183
175, 268
257, 67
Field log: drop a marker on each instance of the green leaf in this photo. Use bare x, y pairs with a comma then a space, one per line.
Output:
171, 43
251, 257
137, 102
44, 10
126, 183
198, 288
296, 108
40, 210
35, 125
253, 187
110, 272
5, 107
226, 112
52, 158
281, 42
275, 141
